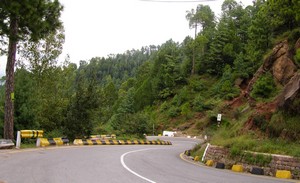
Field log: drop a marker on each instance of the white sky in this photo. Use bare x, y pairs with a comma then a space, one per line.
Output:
101, 27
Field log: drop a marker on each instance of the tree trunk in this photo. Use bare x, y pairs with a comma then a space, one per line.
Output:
9, 84
193, 61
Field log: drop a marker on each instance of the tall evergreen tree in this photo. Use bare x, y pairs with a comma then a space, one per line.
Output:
23, 20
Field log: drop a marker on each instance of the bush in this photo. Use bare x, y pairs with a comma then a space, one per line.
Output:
257, 159
284, 122
164, 106
185, 110
297, 57
264, 87
54, 134
173, 111
260, 121
200, 105
196, 85
235, 151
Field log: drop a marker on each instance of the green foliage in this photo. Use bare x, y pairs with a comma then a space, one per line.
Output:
264, 87
257, 159
173, 111
284, 125
235, 151
195, 84
79, 122
260, 121
198, 150
200, 104
185, 110
297, 57
57, 133
225, 88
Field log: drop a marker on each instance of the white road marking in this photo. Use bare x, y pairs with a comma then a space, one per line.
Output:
131, 171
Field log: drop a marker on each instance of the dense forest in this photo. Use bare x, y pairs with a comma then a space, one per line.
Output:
181, 86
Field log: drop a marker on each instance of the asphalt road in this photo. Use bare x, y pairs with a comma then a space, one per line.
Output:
116, 164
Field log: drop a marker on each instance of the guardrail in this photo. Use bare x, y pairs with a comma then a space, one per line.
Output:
119, 142
28, 134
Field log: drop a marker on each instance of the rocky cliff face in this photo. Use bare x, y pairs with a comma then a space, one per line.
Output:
286, 74
280, 64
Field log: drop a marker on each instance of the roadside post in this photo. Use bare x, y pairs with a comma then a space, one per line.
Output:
219, 118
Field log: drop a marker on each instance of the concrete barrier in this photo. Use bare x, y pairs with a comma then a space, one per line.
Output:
237, 168
220, 165
95, 137
6, 144
43, 142
187, 152
119, 142
209, 163
283, 174
257, 171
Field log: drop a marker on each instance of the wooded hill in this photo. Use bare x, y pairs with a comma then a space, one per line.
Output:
239, 64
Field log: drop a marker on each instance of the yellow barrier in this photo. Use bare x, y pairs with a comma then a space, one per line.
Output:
78, 142
237, 168
112, 136
32, 133
209, 163
43, 142
283, 174
118, 142
196, 158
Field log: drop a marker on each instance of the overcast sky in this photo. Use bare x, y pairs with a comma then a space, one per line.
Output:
101, 27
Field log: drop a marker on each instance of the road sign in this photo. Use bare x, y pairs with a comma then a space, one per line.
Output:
219, 117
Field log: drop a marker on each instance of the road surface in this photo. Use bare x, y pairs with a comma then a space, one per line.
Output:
114, 164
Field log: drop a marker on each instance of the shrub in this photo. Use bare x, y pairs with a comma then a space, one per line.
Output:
264, 87
235, 151
196, 85
297, 57
260, 121
54, 133
173, 111
185, 110
198, 104
164, 106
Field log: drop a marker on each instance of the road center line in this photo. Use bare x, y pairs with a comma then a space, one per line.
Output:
131, 171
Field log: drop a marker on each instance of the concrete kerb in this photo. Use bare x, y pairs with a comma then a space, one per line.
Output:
119, 142
190, 160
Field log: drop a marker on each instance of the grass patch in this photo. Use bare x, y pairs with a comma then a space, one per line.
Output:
198, 150
28, 145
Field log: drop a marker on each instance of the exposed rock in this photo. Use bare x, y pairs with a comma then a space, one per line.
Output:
290, 93
279, 63
283, 69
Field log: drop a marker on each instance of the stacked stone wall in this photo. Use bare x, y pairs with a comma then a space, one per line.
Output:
273, 162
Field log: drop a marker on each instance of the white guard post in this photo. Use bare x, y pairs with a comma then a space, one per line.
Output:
219, 118
18, 143
205, 152
38, 142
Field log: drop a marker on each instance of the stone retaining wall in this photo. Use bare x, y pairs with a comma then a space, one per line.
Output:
271, 164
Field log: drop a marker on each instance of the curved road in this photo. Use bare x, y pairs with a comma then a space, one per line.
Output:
126, 164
